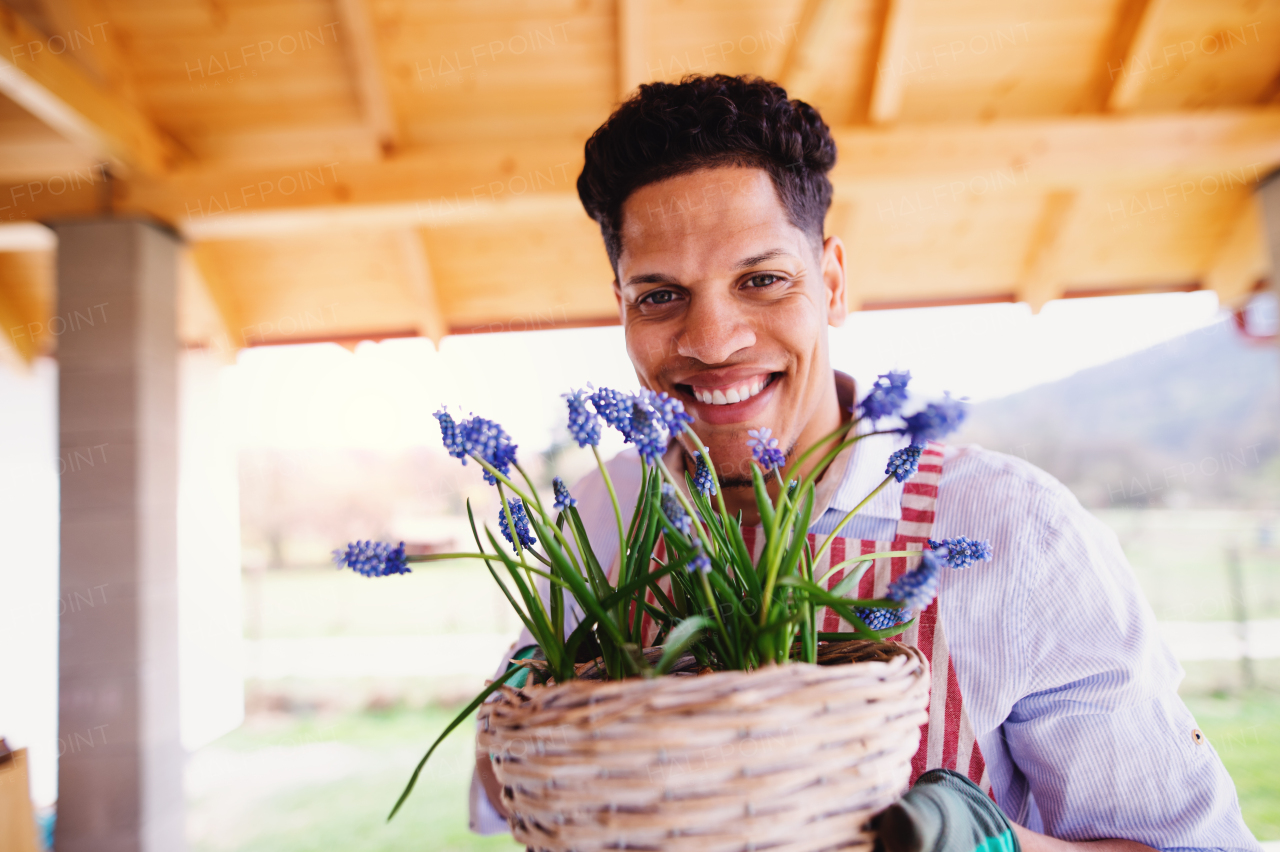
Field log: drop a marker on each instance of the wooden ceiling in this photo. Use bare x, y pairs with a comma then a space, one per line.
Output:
347, 169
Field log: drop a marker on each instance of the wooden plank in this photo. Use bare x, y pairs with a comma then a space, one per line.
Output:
1136, 31
55, 90
1041, 281
886, 87
422, 287
633, 46
27, 321
362, 51
812, 12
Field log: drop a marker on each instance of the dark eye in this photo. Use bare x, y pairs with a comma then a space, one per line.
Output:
764, 279
657, 297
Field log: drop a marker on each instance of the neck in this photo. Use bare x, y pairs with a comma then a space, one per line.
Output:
834, 407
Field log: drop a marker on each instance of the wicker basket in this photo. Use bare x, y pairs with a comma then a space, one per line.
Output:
793, 758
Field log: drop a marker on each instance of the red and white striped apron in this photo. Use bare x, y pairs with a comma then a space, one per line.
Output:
947, 740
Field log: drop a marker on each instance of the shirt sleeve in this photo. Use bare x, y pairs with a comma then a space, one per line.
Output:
1107, 747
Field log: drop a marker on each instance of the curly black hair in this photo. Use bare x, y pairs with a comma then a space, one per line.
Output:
669, 129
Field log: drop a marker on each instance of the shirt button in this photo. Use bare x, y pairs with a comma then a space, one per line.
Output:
1197, 736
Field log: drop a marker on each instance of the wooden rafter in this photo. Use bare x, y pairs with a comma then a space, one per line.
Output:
812, 12
1127, 64
362, 51
1040, 281
1242, 259
885, 101
633, 45
55, 90
431, 321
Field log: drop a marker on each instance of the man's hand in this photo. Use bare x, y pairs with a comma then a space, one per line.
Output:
946, 812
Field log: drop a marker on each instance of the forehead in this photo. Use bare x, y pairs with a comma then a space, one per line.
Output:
708, 216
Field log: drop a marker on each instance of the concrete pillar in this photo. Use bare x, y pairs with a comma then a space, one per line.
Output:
120, 770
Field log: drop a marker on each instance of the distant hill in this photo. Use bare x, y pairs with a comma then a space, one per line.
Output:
1193, 421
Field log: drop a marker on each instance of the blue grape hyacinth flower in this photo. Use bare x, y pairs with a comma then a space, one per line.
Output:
647, 431
373, 558
935, 421
700, 561
765, 448
584, 423
487, 440
961, 551
702, 478
449, 435
904, 463
668, 409
674, 511
887, 395
614, 407
879, 618
917, 589
522, 524
563, 498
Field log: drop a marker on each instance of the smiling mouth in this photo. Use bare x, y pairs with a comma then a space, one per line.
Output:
730, 394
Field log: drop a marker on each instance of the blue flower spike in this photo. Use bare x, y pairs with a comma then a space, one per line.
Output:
764, 448
935, 421
961, 551
879, 618
647, 431
702, 478
373, 558
449, 435
615, 408
700, 561
584, 423
904, 463
563, 499
673, 511
487, 440
917, 589
522, 524
887, 395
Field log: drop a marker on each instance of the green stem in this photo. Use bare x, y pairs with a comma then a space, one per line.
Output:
503, 480
865, 500
617, 512
866, 557
688, 507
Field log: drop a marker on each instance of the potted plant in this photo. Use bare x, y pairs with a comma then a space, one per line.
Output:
740, 722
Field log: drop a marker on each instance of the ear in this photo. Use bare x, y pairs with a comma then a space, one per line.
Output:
617, 297
834, 281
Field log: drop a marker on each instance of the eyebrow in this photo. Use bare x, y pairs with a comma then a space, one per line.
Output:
745, 263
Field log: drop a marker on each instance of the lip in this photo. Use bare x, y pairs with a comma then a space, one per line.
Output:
735, 412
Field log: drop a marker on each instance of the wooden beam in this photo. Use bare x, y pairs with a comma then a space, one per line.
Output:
431, 322
54, 89
886, 81
1060, 153
27, 323
1040, 282
633, 46
812, 12
361, 43
470, 182
1128, 59
1242, 260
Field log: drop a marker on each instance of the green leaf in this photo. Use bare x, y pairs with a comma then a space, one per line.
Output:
681, 637
458, 720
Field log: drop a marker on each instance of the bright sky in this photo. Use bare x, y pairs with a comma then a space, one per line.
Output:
382, 395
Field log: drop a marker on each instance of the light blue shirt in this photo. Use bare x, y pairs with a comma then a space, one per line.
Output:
1069, 686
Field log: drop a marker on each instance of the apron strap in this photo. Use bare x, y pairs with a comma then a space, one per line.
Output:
920, 496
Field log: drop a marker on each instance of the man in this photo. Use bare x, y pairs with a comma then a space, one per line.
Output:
711, 196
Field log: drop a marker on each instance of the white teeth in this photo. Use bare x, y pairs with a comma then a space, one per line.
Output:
741, 393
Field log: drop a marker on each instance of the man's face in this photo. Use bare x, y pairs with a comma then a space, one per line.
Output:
725, 305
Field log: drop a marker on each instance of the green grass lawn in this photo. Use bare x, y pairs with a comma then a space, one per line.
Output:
1246, 733
318, 785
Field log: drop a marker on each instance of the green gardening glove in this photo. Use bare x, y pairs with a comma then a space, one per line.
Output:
944, 812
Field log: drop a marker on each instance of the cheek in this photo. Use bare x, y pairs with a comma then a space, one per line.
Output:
793, 326
645, 348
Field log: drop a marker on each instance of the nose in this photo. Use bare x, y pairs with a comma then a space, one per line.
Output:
716, 326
